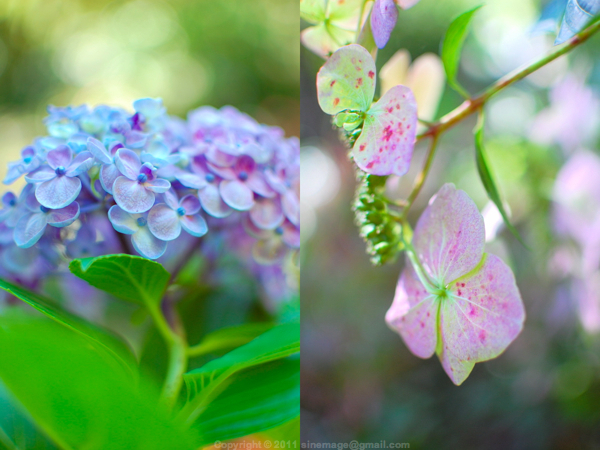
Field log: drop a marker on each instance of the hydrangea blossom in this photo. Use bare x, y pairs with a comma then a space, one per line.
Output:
455, 301
104, 176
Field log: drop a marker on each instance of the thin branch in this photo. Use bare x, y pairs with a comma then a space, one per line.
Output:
420, 179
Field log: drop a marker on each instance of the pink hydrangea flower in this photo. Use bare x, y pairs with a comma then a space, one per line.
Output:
460, 302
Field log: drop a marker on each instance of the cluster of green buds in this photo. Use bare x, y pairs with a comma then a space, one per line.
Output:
379, 225
350, 122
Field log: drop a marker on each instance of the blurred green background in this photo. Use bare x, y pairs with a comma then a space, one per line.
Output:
188, 52
359, 381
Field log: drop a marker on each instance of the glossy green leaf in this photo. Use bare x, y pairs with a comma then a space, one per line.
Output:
130, 278
229, 337
256, 399
96, 336
452, 48
207, 382
487, 179
77, 394
289, 431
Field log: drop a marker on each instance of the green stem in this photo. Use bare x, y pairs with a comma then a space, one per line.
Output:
422, 175
468, 107
178, 357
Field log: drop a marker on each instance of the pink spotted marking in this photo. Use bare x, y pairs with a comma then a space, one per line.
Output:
332, 83
371, 74
362, 147
387, 133
336, 101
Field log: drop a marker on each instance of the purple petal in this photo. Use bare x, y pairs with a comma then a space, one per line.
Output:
44, 173
413, 314
257, 183
291, 206
450, 235
291, 235
82, 163
191, 204
128, 163
9, 199
171, 199
65, 216
149, 170
60, 156
163, 222
236, 194
132, 196
160, 185
191, 180
59, 192
195, 225
135, 139
224, 172
30, 229
383, 21
219, 158
212, 203
122, 221
246, 164
147, 245
267, 214
108, 174
96, 148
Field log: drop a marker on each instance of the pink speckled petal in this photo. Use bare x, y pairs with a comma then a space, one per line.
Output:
386, 143
65, 216
212, 203
450, 235
457, 369
44, 173
347, 80
30, 229
128, 163
484, 312
236, 194
267, 214
159, 185
122, 221
195, 225
147, 245
60, 156
59, 192
108, 174
132, 196
383, 20
163, 222
191, 204
413, 314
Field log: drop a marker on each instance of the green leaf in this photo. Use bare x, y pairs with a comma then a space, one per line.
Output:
98, 337
288, 431
229, 337
207, 382
255, 399
452, 48
76, 393
486, 177
130, 278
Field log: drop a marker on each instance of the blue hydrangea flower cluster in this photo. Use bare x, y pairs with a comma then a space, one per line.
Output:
104, 173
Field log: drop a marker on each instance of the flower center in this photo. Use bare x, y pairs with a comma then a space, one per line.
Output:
27, 159
142, 178
209, 177
279, 231
181, 211
60, 171
12, 202
44, 209
243, 176
141, 221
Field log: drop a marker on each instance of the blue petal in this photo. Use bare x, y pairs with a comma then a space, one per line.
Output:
30, 229
147, 245
122, 221
132, 196
163, 222
59, 192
